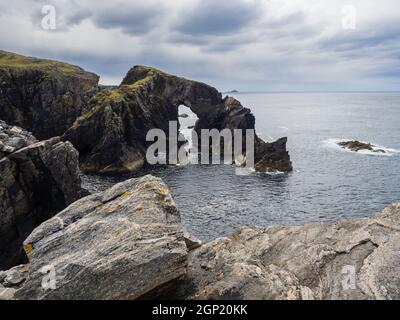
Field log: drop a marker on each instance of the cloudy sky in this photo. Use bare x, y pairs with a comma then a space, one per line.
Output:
249, 45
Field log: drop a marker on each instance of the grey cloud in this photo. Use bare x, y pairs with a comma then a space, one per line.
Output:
363, 38
294, 18
131, 19
243, 44
211, 17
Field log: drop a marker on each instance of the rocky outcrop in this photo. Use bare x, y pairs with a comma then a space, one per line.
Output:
124, 243
349, 259
38, 179
127, 243
42, 96
270, 157
111, 135
356, 146
11, 280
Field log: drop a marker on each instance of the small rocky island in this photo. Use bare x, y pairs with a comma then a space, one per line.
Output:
128, 242
357, 146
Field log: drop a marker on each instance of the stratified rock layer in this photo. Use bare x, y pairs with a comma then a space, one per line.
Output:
42, 96
111, 135
349, 259
38, 179
122, 243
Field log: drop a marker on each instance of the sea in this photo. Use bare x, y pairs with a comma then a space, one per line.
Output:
328, 183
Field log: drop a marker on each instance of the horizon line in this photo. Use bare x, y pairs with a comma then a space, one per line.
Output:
314, 91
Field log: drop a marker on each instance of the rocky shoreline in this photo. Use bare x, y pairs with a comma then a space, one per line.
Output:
128, 243
60, 242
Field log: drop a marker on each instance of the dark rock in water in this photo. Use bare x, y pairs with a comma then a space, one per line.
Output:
42, 96
123, 243
38, 179
110, 135
356, 146
349, 259
184, 115
272, 156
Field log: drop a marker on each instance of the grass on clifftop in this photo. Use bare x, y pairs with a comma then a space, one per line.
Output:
110, 96
13, 60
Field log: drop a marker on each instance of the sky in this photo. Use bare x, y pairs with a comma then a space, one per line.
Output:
246, 45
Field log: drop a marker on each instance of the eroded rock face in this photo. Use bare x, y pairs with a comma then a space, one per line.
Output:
42, 96
38, 179
349, 259
111, 135
123, 243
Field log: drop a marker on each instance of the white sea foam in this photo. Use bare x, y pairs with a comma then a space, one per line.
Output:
283, 128
274, 173
333, 144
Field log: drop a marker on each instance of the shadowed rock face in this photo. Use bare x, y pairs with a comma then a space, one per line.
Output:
38, 179
110, 136
42, 96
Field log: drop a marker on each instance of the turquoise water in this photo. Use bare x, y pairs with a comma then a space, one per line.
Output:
328, 183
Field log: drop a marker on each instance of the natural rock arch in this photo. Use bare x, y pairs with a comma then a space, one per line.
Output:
110, 135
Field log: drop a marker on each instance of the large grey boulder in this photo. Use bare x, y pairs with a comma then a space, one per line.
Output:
38, 179
124, 243
349, 259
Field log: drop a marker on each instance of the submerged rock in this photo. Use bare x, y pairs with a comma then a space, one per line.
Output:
38, 179
349, 259
42, 96
111, 134
124, 243
356, 146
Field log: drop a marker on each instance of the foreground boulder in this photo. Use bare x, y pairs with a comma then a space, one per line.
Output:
42, 96
38, 179
123, 243
349, 259
111, 134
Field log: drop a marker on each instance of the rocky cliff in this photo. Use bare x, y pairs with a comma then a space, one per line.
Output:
127, 243
38, 179
110, 135
42, 96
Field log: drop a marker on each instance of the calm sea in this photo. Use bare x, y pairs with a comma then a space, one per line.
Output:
328, 183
